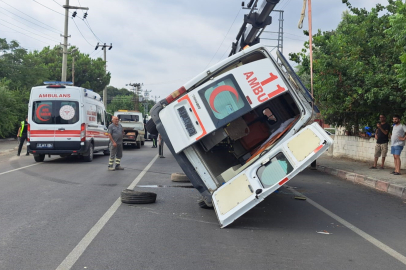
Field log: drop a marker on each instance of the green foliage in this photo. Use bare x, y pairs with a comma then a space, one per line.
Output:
20, 70
125, 102
12, 110
359, 69
113, 91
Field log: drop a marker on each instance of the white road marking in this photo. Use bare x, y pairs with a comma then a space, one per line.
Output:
21, 168
358, 231
71, 259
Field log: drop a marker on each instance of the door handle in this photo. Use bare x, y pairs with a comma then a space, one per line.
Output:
61, 129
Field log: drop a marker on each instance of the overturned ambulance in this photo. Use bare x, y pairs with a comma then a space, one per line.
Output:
241, 130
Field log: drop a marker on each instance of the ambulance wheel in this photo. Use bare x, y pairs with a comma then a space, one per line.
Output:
89, 156
203, 204
142, 143
39, 157
130, 196
151, 127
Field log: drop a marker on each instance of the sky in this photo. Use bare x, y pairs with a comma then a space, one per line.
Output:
159, 43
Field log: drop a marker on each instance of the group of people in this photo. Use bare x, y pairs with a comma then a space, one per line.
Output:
398, 138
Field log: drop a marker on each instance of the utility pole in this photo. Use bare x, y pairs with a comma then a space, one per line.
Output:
137, 87
65, 39
146, 99
104, 46
73, 65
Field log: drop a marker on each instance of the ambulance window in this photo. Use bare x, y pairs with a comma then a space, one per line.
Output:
42, 112
100, 116
66, 112
224, 98
274, 171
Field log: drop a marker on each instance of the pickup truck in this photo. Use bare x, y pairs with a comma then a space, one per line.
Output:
133, 126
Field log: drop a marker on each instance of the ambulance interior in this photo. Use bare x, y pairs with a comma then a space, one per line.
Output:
233, 147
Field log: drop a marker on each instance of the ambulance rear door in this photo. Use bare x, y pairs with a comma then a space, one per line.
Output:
55, 118
269, 172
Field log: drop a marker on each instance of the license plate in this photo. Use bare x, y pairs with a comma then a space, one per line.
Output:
187, 121
45, 145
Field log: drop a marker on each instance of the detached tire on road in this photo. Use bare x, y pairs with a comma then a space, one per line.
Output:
130, 196
151, 127
179, 177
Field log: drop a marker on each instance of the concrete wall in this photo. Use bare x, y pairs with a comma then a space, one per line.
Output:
362, 149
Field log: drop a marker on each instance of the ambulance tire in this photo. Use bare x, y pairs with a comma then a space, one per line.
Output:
130, 196
89, 156
39, 157
151, 127
142, 143
203, 204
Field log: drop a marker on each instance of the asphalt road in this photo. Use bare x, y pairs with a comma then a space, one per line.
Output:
65, 214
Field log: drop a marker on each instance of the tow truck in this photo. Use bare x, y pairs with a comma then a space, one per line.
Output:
133, 126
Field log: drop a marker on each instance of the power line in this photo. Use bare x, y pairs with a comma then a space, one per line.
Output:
29, 31
86, 21
239, 9
28, 16
48, 8
286, 4
81, 33
22, 22
24, 34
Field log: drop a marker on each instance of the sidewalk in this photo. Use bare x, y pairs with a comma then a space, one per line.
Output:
9, 145
359, 172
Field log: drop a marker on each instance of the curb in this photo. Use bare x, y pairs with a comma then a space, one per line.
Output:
393, 189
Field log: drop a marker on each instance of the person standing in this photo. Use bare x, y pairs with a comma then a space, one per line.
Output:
161, 147
153, 137
397, 142
382, 139
22, 135
116, 133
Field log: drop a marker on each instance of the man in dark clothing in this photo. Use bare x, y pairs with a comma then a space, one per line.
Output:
22, 134
382, 139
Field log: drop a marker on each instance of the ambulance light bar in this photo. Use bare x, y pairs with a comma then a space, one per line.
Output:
58, 83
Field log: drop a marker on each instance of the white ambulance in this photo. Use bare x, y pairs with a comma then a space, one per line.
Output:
240, 130
65, 120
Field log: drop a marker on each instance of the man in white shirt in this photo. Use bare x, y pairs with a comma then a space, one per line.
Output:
397, 142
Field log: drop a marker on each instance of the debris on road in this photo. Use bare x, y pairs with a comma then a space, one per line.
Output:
324, 232
179, 177
300, 198
130, 196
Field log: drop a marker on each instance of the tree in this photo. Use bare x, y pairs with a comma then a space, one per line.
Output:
12, 110
355, 78
121, 103
89, 73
